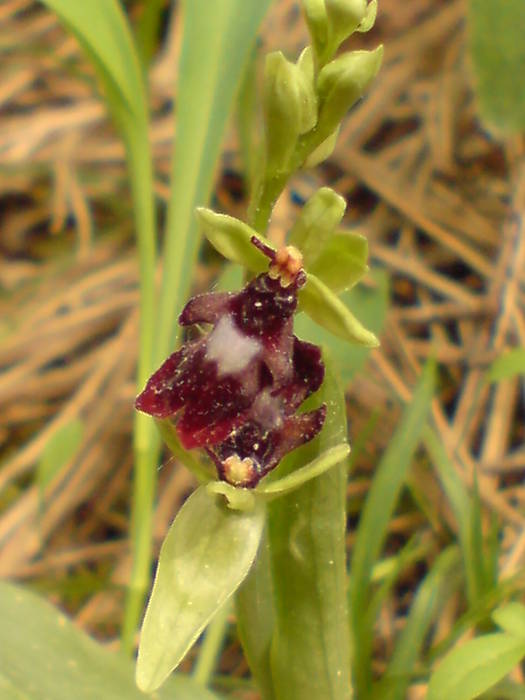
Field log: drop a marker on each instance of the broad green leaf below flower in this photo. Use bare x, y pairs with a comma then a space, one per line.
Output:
205, 556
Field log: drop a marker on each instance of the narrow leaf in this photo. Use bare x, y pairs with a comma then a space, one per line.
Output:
217, 42
511, 618
507, 365
322, 305
59, 449
102, 29
469, 670
429, 599
206, 555
44, 655
378, 509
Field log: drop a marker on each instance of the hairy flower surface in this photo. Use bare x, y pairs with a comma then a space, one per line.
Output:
237, 388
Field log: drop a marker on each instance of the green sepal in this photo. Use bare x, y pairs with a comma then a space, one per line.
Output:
328, 459
317, 221
204, 558
237, 498
341, 83
344, 17
323, 151
283, 111
326, 309
369, 19
342, 261
232, 238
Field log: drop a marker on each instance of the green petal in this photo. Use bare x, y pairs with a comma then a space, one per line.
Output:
328, 311
328, 459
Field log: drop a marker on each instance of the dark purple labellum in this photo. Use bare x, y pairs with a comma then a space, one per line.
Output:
238, 387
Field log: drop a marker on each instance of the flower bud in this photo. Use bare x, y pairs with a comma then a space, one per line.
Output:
369, 19
306, 83
283, 110
341, 83
344, 17
317, 21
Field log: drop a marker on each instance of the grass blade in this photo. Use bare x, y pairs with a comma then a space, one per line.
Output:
376, 514
103, 31
218, 39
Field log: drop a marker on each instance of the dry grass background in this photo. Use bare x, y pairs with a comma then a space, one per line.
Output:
440, 201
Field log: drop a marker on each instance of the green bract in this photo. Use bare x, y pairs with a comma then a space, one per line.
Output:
207, 553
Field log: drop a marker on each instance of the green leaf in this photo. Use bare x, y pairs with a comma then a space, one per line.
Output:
428, 601
342, 262
497, 50
207, 553
370, 304
316, 223
310, 651
322, 305
373, 524
44, 655
469, 670
507, 365
59, 449
466, 511
511, 618
232, 238
103, 31
217, 41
